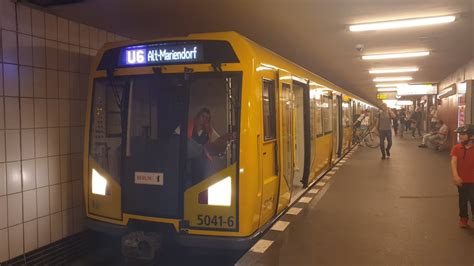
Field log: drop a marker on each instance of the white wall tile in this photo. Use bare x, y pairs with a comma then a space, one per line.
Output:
12, 109
77, 193
3, 149
29, 205
84, 35
3, 179
42, 176
65, 138
37, 18
52, 54
44, 231
15, 209
41, 142
63, 56
76, 139
15, 236
94, 38
12, 139
73, 33
51, 24
1, 75
8, 15
39, 52
67, 222
31, 235
52, 83
28, 170
74, 85
9, 45
26, 81
10, 77
78, 219
56, 226
4, 247
24, 19
63, 30
40, 113
83, 83
54, 170
76, 166
25, 49
13, 177
3, 212
53, 141
39, 82
27, 113
74, 58
84, 60
55, 198
53, 113
63, 85
27, 144
64, 113
66, 196
102, 38
42, 198
2, 114
65, 168
110, 37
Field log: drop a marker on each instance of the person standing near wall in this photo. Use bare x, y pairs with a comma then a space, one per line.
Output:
462, 169
384, 126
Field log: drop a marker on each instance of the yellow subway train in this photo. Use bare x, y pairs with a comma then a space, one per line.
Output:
206, 139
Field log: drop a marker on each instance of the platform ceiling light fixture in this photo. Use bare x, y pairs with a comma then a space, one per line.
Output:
385, 79
405, 23
395, 56
393, 70
390, 85
387, 89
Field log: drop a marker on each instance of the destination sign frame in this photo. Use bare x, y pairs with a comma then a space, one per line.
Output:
160, 54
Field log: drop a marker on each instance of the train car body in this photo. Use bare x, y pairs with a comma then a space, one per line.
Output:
271, 130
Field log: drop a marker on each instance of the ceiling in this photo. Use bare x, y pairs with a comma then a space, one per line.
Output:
312, 33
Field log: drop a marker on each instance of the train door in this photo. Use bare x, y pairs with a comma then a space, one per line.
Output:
269, 158
287, 143
337, 122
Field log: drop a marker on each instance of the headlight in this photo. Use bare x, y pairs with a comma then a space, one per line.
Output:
99, 183
219, 194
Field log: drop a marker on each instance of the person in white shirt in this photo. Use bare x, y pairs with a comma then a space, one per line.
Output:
437, 137
364, 120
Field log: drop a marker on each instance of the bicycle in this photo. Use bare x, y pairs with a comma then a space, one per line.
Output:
369, 136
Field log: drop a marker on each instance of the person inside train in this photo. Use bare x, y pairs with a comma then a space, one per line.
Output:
435, 138
203, 143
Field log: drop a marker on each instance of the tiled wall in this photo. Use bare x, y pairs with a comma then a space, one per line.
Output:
44, 66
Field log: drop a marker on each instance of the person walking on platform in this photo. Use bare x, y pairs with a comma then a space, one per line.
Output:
416, 122
462, 169
395, 122
384, 126
401, 122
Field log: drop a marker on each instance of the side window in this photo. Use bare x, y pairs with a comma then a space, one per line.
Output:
327, 119
269, 110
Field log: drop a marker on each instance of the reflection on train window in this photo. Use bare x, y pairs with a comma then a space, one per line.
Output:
346, 114
269, 111
326, 114
316, 113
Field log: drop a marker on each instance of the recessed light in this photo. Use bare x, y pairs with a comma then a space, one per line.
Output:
396, 55
406, 23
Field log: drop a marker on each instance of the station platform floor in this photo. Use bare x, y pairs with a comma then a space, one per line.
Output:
368, 211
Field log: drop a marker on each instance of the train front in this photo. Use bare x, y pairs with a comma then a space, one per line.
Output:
162, 141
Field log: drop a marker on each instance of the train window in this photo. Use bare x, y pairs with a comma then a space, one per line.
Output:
346, 114
315, 113
269, 110
326, 114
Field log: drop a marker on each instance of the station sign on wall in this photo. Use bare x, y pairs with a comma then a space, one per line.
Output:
387, 95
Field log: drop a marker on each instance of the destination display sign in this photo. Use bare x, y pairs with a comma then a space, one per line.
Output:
159, 54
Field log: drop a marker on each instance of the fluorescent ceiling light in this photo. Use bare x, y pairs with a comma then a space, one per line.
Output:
388, 85
393, 70
392, 79
387, 89
394, 56
406, 23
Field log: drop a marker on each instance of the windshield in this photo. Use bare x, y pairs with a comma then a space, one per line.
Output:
166, 124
